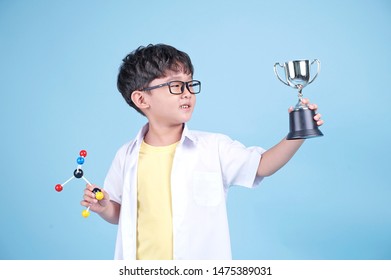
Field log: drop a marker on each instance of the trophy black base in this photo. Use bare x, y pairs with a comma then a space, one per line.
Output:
302, 125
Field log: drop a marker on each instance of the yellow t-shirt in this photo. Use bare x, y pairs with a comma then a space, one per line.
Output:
154, 211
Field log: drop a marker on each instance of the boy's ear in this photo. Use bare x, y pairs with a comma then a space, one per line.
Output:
139, 99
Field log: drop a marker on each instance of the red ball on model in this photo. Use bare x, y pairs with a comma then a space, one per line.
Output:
58, 187
83, 153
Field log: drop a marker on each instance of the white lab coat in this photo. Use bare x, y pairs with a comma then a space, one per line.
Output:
205, 166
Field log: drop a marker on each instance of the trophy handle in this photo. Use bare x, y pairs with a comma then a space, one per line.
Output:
278, 76
318, 62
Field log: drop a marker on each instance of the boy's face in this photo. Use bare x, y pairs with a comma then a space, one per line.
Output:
166, 108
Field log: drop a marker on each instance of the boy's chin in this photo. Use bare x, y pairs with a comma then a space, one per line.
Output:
185, 120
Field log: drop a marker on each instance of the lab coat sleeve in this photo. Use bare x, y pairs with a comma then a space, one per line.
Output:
239, 164
113, 183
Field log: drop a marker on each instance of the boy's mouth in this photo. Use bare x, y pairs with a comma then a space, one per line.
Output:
185, 106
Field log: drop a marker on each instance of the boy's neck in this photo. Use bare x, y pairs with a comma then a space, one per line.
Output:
163, 135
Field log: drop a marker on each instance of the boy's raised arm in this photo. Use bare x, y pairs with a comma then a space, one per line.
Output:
277, 156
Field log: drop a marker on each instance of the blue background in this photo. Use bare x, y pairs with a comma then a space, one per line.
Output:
58, 66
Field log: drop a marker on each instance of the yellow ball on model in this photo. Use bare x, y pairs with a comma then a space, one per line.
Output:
99, 195
85, 213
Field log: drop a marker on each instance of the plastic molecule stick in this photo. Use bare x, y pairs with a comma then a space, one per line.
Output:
78, 174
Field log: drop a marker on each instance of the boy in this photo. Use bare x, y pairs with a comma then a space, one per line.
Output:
166, 189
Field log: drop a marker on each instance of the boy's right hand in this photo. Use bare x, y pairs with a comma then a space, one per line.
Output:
97, 206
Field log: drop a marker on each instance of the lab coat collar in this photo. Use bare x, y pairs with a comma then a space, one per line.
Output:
187, 135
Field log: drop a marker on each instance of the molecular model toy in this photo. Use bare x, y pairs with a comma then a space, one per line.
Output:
78, 173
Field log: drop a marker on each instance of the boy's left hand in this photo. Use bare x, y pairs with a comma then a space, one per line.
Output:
317, 116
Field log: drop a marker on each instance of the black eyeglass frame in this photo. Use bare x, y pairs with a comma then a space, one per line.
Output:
182, 87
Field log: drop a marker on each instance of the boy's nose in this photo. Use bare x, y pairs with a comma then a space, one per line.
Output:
186, 93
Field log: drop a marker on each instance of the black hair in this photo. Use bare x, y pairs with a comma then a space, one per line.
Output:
143, 65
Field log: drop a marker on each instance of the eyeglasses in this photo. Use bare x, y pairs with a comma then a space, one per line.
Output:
178, 87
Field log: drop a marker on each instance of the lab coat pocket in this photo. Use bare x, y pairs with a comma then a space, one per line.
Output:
207, 188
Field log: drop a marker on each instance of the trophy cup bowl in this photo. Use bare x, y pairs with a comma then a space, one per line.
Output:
301, 120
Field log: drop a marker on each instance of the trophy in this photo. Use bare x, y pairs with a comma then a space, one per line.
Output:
301, 120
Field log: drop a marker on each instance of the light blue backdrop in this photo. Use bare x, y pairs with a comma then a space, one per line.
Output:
58, 68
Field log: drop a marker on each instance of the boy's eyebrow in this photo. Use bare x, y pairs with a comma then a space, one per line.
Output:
174, 77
